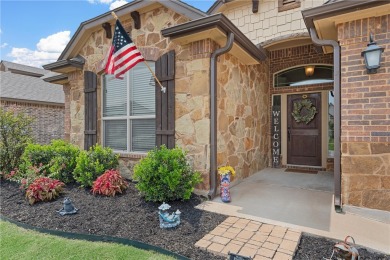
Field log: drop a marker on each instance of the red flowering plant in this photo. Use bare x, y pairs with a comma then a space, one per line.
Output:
43, 189
109, 183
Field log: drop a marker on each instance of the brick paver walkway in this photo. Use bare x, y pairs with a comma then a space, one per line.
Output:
251, 238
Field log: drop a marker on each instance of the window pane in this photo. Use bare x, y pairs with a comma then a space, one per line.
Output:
298, 77
114, 96
115, 134
276, 100
143, 134
142, 93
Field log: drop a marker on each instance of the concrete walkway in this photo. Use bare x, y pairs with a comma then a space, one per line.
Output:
293, 202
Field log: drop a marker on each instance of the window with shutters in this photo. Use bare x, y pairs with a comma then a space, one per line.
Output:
129, 110
285, 5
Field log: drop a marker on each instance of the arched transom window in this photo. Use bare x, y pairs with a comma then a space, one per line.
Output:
304, 75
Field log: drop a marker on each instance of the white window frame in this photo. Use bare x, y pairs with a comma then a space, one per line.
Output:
128, 118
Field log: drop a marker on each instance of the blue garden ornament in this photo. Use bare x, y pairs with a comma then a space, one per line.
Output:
168, 220
68, 208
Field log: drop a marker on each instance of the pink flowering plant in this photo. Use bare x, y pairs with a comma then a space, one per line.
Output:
109, 183
43, 189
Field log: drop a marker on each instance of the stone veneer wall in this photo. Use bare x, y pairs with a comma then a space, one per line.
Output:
365, 115
243, 118
269, 23
192, 110
48, 121
148, 39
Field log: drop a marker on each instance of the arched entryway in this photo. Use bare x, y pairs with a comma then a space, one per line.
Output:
303, 94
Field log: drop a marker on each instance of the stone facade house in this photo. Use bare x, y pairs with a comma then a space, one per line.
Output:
24, 89
249, 84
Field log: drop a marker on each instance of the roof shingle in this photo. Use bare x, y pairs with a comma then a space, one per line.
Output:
16, 86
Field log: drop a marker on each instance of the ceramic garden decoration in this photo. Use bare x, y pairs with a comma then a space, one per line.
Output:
225, 174
68, 208
168, 220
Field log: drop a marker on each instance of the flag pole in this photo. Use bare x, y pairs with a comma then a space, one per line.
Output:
163, 89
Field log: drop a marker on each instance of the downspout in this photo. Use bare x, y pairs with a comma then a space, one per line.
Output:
214, 113
337, 106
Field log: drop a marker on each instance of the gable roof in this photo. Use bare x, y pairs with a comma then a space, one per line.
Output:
22, 69
27, 88
87, 26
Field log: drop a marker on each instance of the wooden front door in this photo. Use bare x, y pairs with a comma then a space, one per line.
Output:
304, 135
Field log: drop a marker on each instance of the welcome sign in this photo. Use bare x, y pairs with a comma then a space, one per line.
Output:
275, 139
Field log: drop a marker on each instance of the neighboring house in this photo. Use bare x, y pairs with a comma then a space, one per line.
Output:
239, 79
23, 88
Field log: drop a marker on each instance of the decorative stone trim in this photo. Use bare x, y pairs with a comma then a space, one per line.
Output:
150, 53
132, 155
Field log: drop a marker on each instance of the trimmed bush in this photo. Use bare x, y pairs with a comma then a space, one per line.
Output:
110, 183
38, 156
56, 160
43, 189
64, 162
93, 163
15, 134
165, 175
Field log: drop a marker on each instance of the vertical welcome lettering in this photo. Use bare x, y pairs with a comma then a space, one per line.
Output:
275, 138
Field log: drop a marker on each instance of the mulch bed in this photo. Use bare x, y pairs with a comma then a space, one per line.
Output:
129, 216
313, 247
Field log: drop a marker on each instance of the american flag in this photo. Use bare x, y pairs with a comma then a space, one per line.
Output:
123, 54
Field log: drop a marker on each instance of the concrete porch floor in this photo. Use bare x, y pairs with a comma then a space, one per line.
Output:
303, 202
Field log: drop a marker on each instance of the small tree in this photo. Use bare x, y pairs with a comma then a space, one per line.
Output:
15, 134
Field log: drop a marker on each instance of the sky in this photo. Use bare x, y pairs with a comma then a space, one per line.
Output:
35, 32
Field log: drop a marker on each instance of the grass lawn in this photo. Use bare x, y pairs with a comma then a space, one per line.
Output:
19, 243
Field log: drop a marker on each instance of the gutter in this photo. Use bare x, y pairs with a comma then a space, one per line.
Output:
221, 22
337, 106
214, 113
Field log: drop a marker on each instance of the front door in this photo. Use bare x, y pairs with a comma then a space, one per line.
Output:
304, 129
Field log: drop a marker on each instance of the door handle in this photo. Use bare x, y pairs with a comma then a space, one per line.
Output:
288, 133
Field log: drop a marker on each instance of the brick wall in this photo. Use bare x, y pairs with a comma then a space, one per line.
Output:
365, 102
365, 115
293, 57
48, 121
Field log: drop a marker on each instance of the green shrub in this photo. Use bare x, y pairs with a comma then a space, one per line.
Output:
15, 134
93, 163
165, 175
56, 160
39, 156
64, 162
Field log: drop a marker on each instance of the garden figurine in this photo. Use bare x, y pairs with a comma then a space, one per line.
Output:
225, 174
168, 220
68, 208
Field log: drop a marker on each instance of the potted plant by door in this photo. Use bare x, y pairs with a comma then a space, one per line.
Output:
225, 173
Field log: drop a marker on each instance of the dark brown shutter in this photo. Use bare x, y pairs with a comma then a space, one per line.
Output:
90, 85
165, 102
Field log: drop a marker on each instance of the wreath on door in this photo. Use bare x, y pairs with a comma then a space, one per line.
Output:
310, 109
